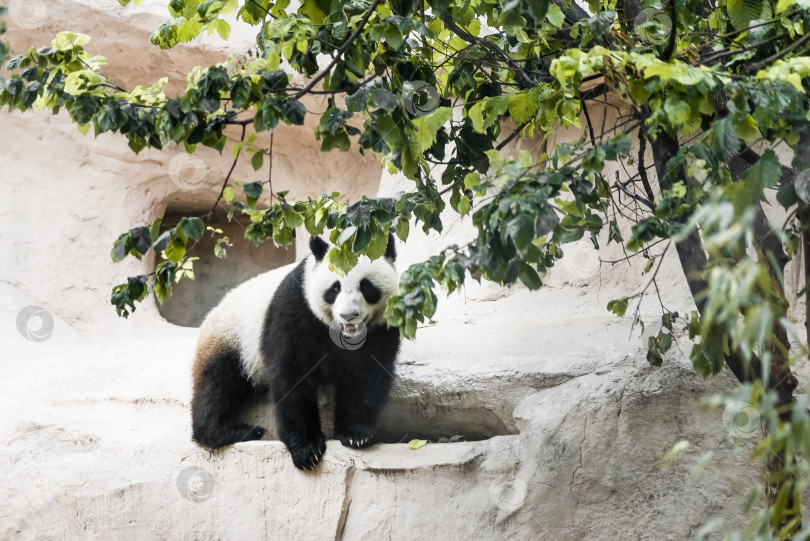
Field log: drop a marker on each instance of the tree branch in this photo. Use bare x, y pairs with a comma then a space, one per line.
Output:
340, 51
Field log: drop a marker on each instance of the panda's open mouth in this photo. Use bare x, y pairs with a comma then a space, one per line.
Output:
354, 329
351, 328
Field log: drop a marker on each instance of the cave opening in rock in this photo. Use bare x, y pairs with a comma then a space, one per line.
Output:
214, 277
405, 418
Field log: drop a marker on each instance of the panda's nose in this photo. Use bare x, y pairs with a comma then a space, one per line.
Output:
350, 316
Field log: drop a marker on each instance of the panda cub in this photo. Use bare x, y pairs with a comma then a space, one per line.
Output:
287, 332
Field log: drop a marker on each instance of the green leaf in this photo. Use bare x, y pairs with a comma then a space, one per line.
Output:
725, 142
424, 135
522, 106
342, 259
529, 276
359, 213
538, 8
193, 228
257, 160
521, 230
677, 110
664, 341
555, 15
618, 306
765, 173
253, 191
154, 231
742, 12
463, 205
392, 37
357, 102
377, 244
162, 242
384, 99
653, 352
294, 112
403, 228
417, 444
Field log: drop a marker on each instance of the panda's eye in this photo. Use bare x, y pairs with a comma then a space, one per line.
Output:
370, 292
331, 294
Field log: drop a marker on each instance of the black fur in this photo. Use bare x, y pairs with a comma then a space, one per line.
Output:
300, 356
330, 295
220, 394
391, 249
319, 247
370, 292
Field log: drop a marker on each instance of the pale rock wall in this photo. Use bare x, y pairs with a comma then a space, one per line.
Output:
95, 419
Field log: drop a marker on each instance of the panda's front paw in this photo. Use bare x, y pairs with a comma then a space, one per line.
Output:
356, 436
307, 454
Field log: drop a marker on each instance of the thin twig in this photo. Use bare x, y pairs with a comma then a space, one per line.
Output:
270, 169
230, 172
756, 66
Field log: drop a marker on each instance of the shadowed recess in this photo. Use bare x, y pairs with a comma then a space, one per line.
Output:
213, 276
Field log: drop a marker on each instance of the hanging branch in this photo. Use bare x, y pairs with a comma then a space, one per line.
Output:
230, 172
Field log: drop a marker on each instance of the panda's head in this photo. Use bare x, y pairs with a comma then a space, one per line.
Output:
355, 301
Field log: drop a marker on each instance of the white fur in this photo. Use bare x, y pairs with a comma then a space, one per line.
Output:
239, 318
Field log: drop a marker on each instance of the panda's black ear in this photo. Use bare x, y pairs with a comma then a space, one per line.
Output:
391, 249
318, 247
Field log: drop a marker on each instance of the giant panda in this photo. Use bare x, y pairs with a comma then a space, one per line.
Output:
287, 332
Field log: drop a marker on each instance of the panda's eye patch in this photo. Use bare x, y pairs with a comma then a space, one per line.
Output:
370, 291
331, 294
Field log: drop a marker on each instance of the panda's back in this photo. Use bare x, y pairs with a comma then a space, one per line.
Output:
237, 321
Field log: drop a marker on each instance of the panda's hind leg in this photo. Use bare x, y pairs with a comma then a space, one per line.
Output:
221, 392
